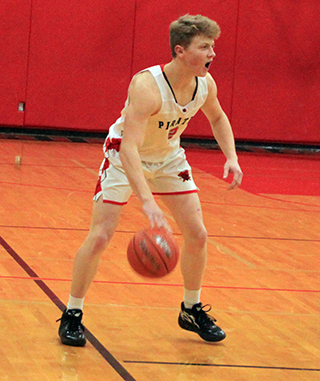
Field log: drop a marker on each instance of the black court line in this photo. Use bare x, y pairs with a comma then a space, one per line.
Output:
53, 297
221, 365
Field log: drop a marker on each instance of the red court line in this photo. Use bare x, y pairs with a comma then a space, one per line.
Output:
47, 228
50, 166
268, 207
160, 284
203, 201
290, 202
45, 186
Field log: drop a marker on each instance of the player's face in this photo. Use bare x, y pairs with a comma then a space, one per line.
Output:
199, 55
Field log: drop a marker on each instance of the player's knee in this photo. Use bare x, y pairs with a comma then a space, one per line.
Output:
198, 237
99, 241
202, 237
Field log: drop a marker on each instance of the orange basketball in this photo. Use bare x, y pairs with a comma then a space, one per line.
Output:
153, 253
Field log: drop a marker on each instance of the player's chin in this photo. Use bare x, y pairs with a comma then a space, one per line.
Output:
203, 72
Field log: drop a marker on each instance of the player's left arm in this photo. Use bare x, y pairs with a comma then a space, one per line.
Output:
222, 132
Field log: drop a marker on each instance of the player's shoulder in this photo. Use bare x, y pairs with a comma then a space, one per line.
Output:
212, 86
210, 81
145, 81
143, 86
144, 92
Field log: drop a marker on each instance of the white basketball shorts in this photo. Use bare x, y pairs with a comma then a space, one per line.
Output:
172, 176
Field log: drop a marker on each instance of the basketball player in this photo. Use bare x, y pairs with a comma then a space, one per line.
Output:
143, 155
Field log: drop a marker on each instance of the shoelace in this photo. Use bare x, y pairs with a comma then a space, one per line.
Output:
74, 323
203, 314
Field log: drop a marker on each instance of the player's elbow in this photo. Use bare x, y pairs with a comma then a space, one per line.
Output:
218, 119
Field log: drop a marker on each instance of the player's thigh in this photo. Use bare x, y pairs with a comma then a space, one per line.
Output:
186, 210
105, 217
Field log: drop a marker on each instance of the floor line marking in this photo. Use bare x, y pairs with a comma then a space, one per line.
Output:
54, 298
222, 365
162, 284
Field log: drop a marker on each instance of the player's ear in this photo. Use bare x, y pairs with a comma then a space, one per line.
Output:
179, 50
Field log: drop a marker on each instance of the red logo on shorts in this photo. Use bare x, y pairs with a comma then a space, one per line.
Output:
185, 175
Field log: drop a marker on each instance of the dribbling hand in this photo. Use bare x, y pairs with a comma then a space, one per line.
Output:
155, 215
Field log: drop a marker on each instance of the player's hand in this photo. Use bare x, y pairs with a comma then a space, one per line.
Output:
232, 166
155, 215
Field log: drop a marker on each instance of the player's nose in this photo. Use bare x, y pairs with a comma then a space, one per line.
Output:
212, 53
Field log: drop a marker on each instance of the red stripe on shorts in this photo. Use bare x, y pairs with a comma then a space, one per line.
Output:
102, 170
113, 143
173, 193
114, 202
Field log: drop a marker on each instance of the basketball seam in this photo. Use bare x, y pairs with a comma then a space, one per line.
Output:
138, 257
134, 247
155, 247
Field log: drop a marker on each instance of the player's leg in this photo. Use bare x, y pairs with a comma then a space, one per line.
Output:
105, 217
112, 191
186, 210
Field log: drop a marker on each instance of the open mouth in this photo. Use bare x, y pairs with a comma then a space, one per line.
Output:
208, 64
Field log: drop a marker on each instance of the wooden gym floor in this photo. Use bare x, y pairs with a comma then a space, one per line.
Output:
262, 277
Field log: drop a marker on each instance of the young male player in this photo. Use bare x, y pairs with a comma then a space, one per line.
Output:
143, 155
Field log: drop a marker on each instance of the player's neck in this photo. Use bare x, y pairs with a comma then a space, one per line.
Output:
177, 75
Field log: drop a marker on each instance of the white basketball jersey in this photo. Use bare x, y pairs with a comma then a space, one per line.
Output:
162, 139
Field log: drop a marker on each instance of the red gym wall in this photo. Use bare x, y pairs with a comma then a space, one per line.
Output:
71, 62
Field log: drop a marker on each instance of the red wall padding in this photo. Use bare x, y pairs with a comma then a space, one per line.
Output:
80, 63
277, 72
14, 44
75, 72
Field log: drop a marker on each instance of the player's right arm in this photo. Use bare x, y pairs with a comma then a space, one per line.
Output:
222, 131
144, 101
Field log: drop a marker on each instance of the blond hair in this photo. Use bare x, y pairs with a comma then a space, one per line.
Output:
183, 30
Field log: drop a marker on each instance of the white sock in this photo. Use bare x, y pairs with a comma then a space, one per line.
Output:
191, 297
75, 303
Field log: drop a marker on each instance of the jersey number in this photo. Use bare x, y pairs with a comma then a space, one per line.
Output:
172, 132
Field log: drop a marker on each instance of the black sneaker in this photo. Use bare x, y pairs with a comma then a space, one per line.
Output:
71, 330
197, 320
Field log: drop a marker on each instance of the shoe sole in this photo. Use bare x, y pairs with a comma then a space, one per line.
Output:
73, 343
203, 336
